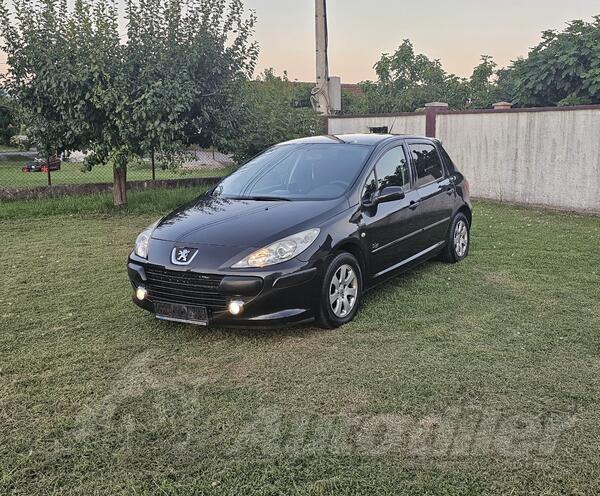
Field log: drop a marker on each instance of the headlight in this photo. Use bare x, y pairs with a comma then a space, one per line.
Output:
278, 252
141, 243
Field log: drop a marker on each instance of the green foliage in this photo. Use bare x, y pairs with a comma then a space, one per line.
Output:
564, 69
9, 120
406, 81
20, 142
82, 88
191, 60
269, 110
354, 103
482, 88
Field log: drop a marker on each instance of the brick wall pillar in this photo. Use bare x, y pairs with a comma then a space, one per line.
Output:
431, 111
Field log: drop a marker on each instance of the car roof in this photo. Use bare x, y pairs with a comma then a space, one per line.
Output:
370, 139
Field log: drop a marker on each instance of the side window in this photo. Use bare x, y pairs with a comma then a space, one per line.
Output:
392, 169
450, 167
370, 186
427, 163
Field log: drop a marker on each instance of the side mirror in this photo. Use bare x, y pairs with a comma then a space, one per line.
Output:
387, 194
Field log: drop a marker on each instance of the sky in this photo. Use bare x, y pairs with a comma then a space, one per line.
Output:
457, 32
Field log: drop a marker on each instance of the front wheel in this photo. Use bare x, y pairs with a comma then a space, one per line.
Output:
340, 293
459, 240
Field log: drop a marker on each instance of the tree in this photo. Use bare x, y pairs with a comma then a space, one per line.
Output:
406, 81
9, 119
354, 103
37, 51
563, 69
481, 86
85, 89
269, 110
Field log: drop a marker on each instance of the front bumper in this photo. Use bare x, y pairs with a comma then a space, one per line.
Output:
281, 295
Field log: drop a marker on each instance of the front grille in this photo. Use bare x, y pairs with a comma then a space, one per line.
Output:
186, 288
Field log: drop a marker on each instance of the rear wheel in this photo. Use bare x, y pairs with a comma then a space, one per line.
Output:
459, 240
341, 292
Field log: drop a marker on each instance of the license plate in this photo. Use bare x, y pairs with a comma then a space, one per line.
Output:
181, 313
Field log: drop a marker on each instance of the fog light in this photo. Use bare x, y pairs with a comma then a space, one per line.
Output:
236, 307
141, 293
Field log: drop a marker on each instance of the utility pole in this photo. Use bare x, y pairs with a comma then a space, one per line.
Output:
320, 93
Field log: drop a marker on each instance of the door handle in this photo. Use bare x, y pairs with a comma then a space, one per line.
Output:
448, 188
414, 204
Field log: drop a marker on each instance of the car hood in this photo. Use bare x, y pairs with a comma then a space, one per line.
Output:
243, 223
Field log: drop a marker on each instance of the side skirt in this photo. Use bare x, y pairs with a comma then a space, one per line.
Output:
406, 264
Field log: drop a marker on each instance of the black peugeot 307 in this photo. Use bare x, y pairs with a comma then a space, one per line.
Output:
302, 230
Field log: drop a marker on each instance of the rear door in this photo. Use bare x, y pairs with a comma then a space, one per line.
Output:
436, 191
389, 226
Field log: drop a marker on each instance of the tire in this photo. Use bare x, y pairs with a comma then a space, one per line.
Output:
336, 311
458, 241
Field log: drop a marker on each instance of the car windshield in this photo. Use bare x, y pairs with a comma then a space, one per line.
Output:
305, 171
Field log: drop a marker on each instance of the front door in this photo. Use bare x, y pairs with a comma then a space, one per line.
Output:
389, 227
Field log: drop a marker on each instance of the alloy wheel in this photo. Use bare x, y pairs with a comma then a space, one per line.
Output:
461, 238
343, 291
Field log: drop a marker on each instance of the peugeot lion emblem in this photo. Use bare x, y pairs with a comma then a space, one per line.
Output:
183, 255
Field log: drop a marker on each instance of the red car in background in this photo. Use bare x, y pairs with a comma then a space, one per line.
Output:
42, 165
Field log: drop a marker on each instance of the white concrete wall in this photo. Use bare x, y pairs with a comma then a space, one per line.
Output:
543, 157
402, 124
548, 158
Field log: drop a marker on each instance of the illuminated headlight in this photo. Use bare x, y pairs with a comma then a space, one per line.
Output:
236, 307
281, 251
141, 293
141, 243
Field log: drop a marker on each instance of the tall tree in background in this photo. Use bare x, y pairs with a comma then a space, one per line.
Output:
564, 69
406, 81
85, 89
190, 61
481, 86
270, 109
9, 119
40, 76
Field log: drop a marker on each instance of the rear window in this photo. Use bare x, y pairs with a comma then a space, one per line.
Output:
450, 167
427, 163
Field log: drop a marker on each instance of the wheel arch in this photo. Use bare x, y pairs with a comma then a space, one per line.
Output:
354, 248
467, 213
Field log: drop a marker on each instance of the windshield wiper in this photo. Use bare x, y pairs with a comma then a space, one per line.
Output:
264, 198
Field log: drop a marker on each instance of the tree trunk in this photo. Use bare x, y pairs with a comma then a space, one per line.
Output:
119, 185
153, 169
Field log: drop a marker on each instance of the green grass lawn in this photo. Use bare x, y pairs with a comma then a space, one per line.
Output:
11, 175
477, 378
154, 202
